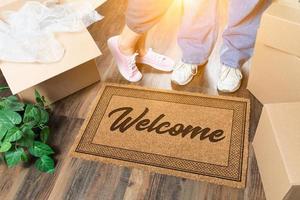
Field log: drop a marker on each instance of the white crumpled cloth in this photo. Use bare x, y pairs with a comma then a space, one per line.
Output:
28, 35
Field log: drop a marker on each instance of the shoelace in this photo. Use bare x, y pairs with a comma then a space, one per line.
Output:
226, 71
132, 64
187, 70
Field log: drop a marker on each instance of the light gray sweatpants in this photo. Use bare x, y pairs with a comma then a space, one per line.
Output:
199, 28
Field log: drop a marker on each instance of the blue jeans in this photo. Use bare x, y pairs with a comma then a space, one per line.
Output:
199, 28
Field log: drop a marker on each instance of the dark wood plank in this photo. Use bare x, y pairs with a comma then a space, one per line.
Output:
37, 185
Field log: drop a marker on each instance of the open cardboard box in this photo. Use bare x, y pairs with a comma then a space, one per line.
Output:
277, 149
56, 80
275, 70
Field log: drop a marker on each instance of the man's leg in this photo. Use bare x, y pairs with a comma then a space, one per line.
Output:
197, 36
238, 40
240, 34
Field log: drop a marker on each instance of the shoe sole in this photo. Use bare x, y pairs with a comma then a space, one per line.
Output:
112, 50
230, 91
154, 66
185, 83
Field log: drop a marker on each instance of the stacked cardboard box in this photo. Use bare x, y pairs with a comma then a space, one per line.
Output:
55, 81
275, 69
275, 81
277, 150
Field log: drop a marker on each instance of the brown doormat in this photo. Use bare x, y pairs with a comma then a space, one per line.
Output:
181, 134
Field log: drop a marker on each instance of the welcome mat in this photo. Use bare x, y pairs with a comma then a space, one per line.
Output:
182, 134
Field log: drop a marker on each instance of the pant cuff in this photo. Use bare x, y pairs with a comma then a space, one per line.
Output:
194, 60
230, 64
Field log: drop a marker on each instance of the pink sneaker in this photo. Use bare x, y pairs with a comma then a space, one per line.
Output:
157, 61
126, 64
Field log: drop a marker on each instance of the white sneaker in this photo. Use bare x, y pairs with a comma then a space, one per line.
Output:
157, 61
183, 73
230, 79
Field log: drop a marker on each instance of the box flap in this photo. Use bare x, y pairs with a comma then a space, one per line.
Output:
280, 28
80, 48
285, 120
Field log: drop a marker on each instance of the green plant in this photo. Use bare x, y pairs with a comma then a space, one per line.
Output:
24, 132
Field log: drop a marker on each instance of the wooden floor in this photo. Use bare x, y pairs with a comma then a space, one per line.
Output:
79, 179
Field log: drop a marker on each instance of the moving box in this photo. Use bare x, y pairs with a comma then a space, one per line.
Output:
277, 149
55, 81
275, 71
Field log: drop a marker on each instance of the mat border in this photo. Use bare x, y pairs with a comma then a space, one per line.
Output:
239, 182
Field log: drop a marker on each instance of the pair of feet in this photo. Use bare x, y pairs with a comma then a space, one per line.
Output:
229, 81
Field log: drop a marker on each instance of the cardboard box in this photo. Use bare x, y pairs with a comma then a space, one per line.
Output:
55, 81
280, 27
275, 70
274, 75
277, 149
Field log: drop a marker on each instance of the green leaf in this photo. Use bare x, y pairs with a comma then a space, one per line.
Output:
11, 103
3, 131
24, 157
40, 149
13, 135
45, 134
9, 118
5, 146
32, 115
13, 157
45, 164
3, 88
27, 139
44, 116
27, 130
39, 99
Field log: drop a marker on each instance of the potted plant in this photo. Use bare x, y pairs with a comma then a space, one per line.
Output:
24, 132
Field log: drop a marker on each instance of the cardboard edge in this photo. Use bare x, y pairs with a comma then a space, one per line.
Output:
201, 178
90, 66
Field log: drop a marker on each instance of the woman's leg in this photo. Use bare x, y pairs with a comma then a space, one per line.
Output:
128, 41
141, 16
